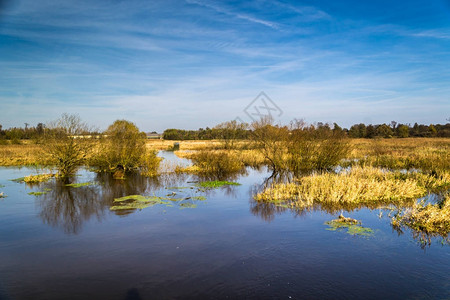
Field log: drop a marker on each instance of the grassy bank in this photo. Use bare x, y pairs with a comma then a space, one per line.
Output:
359, 186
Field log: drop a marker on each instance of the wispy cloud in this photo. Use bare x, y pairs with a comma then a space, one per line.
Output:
193, 63
228, 12
437, 34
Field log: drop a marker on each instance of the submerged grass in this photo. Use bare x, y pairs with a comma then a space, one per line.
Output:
45, 191
81, 184
216, 184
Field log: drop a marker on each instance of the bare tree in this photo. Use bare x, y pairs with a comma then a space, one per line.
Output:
65, 143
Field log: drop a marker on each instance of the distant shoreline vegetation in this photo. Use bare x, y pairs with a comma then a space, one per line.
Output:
361, 130
236, 131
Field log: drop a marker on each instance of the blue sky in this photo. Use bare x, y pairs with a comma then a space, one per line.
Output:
195, 63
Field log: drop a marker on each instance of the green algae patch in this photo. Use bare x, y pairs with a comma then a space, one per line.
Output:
81, 184
215, 184
45, 191
2, 186
140, 202
137, 202
350, 226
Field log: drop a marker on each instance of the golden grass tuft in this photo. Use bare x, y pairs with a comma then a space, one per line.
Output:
360, 185
430, 218
38, 178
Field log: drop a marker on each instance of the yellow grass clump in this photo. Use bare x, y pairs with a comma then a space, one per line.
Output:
430, 218
360, 185
38, 178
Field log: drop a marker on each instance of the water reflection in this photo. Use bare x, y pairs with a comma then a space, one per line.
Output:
68, 207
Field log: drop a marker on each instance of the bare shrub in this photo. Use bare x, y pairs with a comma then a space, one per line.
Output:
65, 143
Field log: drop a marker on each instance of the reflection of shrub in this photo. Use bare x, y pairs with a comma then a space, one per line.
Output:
123, 150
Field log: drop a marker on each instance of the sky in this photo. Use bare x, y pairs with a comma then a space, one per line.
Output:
195, 63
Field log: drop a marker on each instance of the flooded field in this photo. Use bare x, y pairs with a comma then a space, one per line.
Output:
177, 239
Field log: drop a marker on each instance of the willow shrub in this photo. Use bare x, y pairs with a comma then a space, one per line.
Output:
217, 163
123, 149
299, 149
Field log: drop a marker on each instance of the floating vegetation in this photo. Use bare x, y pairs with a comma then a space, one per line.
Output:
352, 226
178, 187
20, 179
188, 205
216, 184
2, 186
45, 191
141, 202
137, 202
2, 195
81, 184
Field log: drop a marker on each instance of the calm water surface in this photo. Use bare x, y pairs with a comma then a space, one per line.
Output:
68, 244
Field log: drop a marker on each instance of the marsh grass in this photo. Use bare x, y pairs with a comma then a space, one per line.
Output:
357, 186
412, 153
433, 219
38, 178
22, 155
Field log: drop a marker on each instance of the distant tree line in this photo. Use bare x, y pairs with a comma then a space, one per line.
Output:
233, 130
394, 129
16, 134
399, 130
